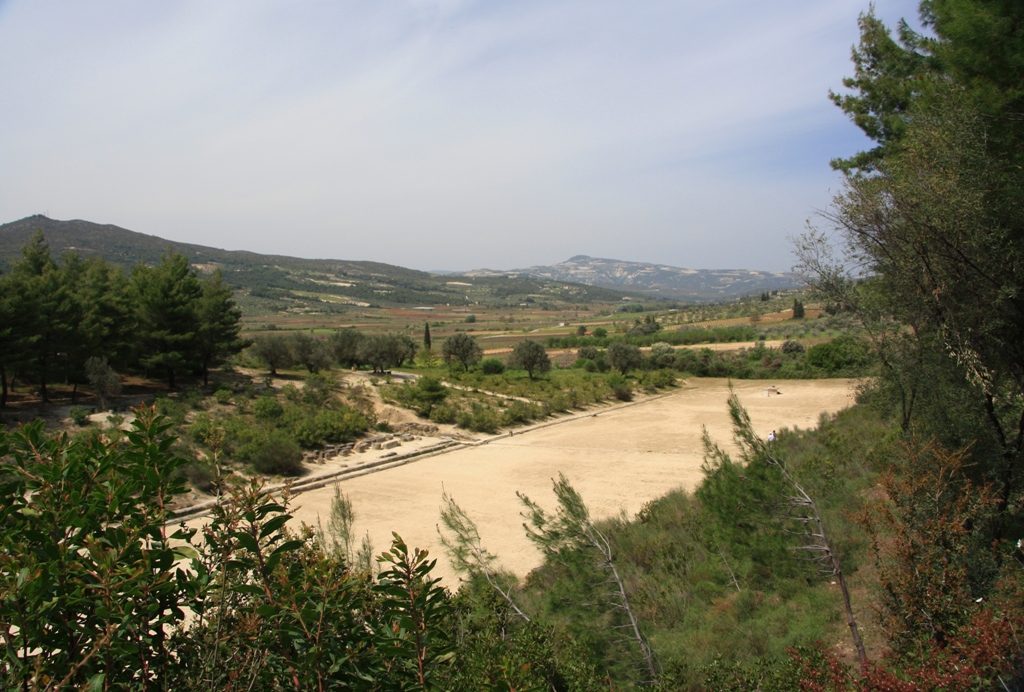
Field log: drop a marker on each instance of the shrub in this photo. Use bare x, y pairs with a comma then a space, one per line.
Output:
520, 412
470, 319
839, 354
599, 333
80, 415
479, 419
585, 364
328, 425
587, 353
200, 475
620, 386
792, 348
192, 396
492, 366
267, 408
201, 428
279, 455
174, 410
443, 414
223, 396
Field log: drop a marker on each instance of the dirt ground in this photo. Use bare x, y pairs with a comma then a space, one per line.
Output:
617, 459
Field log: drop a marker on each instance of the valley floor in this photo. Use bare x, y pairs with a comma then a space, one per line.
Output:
618, 459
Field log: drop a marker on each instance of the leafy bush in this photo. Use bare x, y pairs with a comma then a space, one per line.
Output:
621, 388
267, 408
470, 319
479, 418
200, 475
587, 353
192, 397
174, 410
492, 366
842, 353
80, 415
519, 412
278, 455
223, 396
332, 425
443, 414
791, 347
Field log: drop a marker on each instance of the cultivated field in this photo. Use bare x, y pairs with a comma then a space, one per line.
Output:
618, 459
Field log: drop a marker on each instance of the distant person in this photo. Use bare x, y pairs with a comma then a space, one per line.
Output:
771, 436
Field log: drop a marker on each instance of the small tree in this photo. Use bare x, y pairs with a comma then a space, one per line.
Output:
426, 335
624, 357
272, 350
798, 309
313, 353
426, 394
570, 529
103, 379
530, 356
467, 554
462, 349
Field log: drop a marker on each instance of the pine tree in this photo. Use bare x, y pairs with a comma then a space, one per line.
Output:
219, 325
426, 335
166, 302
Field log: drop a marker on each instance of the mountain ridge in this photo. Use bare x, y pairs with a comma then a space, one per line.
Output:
659, 280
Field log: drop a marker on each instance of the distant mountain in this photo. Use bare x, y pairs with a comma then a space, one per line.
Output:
658, 280
273, 283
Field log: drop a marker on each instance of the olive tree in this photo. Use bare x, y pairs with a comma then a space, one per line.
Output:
530, 356
461, 348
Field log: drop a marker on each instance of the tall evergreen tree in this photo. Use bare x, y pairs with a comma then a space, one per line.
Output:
219, 325
166, 301
426, 335
48, 306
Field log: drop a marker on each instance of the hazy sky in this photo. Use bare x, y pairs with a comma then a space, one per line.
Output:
434, 134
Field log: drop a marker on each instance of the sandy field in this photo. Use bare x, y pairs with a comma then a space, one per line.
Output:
618, 460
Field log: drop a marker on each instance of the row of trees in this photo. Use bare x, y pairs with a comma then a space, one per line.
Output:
57, 314
347, 348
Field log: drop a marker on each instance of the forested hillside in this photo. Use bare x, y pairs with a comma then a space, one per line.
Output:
272, 283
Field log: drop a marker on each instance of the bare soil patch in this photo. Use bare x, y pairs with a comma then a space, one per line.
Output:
618, 459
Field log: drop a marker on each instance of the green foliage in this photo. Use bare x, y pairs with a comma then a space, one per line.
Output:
470, 319
492, 366
329, 425
166, 297
624, 357
530, 356
461, 349
267, 408
278, 455
314, 354
90, 578
79, 414
172, 408
273, 350
424, 396
479, 418
840, 354
105, 382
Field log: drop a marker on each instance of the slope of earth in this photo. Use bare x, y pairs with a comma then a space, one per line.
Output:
266, 284
618, 459
658, 280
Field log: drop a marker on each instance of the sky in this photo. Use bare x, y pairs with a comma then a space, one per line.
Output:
434, 134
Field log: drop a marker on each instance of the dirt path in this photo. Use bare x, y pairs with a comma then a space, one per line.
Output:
617, 459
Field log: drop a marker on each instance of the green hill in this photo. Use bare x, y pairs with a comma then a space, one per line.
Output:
270, 283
